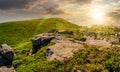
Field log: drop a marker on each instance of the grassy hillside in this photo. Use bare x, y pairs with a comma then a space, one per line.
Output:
14, 33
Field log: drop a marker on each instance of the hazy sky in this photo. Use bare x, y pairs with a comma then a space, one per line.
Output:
81, 12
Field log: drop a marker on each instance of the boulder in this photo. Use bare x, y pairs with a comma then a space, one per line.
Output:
113, 40
99, 37
99, 43
6, 55
90, 38
41, 40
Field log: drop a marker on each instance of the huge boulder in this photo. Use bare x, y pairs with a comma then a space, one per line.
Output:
6, 55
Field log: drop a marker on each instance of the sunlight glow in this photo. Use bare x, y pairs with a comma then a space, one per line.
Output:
97, 13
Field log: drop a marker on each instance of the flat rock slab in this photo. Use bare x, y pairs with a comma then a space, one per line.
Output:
100, 43
64, 48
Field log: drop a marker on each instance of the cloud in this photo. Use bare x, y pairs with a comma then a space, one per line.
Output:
19, 4
56, 7
114, 17
49, 6
116, 13
45, 6
77, 1
29, 4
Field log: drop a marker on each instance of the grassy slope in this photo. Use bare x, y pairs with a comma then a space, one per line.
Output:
14, 33
18, 35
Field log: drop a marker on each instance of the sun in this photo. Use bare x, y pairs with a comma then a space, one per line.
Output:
97, 13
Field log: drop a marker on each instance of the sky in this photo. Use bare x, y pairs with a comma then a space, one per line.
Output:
80, 12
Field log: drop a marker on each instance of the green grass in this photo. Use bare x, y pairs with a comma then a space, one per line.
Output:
15, 33
92, 59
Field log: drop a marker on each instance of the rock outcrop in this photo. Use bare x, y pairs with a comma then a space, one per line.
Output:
63, 49
6, 58
41, 40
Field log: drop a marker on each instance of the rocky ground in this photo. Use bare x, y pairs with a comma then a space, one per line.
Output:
66, 47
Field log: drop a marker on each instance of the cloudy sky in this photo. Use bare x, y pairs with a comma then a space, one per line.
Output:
81, 12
